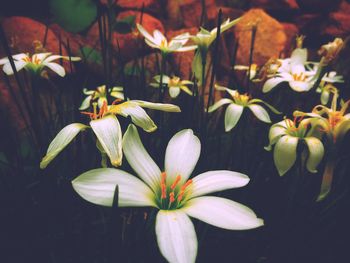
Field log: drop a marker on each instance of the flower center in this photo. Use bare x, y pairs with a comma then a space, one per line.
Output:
294, 128
299, 77
94, 115
172, 196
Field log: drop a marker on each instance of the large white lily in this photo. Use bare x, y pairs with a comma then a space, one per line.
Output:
236, 106
107, 129
159, 41
175, 195
36, 63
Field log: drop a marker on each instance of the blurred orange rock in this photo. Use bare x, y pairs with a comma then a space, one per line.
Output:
270, 38
191, 11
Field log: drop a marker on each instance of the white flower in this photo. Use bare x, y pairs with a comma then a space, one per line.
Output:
175, 195
174, 84
35, 63
159, 41
293, 71
236, 106
100, 94
106, 127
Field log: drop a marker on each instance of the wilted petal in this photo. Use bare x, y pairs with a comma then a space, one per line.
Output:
214, 181
271, 83
56, 68
109, 134
182, 154
316, 152
232, 115
223, 213
138, 158
176, 236
218, 104
62, 139
285, 153
260, 113
98, 186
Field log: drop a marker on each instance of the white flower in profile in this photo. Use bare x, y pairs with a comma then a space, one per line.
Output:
172, 192
35, 63
293, 70
159, 41
237, 103
106, 127
174, 84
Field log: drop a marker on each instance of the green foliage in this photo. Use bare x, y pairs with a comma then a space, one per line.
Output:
125, 25
91, 55
74, 15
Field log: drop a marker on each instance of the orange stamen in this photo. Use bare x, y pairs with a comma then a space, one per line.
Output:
172, 198
163, 187
116, 101
178, 178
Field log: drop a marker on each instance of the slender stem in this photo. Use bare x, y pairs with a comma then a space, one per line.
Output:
254, 29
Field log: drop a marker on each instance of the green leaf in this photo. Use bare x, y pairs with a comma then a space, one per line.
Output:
91, 55
125, 25
74, 15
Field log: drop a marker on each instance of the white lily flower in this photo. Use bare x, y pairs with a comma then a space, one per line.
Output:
35, 63
159, 41
285, 135
252, 71
107, 128
293, 71
100, 94
174, 84
172, 192
236, 106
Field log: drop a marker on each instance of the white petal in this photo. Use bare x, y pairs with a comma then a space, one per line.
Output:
174, 91
86, 103
54, 57
285, 153
176, 237
232, 115
138, 158
62, 139
276, 131
138, 115
182, 154
157, 106
218, 104
98, 186
40, 56
145, 33
214, 181
20, 56
299, 56
18, 65
159, 37
186, 48
316, 152
260, 113
300, 86
56, 68
271, 83
109, 134
222, 212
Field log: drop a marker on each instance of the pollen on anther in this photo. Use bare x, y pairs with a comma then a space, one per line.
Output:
177, 180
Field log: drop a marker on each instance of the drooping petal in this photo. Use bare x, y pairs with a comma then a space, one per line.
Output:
260, 113
138, 158
138, 115
54, 57
98, 186
186, 89
272, 83
158, 106
316, 152
276, 131
109, 134
232, 115
174, 91
285, 153
218, 104
223, 213
56, 68
182, 154
62, 139
176, 236
18, 65
214, 181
